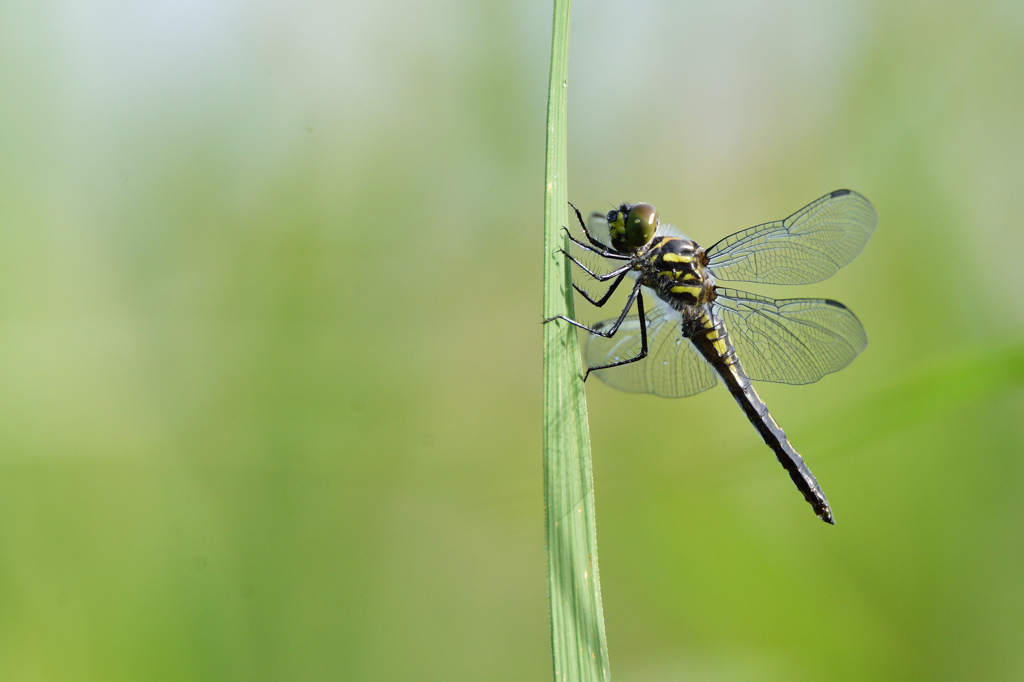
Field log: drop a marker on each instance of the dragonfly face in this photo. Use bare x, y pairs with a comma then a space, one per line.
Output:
699, 332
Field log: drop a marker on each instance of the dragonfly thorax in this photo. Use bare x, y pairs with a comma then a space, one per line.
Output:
676, 269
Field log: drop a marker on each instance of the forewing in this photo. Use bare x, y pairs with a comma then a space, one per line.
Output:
791, 341
597, 225
807, 247
672, 368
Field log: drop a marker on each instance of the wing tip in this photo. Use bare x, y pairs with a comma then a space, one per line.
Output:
835, 194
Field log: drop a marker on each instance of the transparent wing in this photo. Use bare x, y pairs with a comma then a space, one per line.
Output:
597, 225
807, 247
792, 341
672, 368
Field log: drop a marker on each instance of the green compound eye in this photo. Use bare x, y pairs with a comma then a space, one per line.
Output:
631, 227
641, 222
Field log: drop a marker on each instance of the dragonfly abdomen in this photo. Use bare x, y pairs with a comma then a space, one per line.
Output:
709, 335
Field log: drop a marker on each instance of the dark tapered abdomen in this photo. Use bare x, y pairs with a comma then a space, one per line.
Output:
711, 338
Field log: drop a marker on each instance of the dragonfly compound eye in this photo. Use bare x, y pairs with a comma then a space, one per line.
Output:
641, 222
631, 227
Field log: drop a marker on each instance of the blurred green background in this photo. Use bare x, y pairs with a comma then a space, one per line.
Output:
270, 285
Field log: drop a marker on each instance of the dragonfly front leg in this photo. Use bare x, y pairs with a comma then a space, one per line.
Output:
605, 253
590, 237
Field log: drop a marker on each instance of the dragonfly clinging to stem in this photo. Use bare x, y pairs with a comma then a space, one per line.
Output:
698, 332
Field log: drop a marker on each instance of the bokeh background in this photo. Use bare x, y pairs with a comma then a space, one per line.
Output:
270, 286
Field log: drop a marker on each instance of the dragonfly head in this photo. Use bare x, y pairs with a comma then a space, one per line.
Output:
631, 226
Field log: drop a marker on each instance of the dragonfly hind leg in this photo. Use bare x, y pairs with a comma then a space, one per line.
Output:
643, 339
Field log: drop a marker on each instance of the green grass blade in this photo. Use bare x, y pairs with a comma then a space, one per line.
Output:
579, 648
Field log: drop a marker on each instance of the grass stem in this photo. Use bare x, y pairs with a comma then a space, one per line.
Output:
579, 646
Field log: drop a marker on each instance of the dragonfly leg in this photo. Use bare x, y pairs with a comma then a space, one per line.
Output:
608, 294
606, 253
590, 238
599, 278
610, 332
643, 340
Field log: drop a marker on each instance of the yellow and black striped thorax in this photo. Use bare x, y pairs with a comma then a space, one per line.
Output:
676, 268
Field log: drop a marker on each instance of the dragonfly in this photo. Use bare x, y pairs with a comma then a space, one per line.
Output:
698, 332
